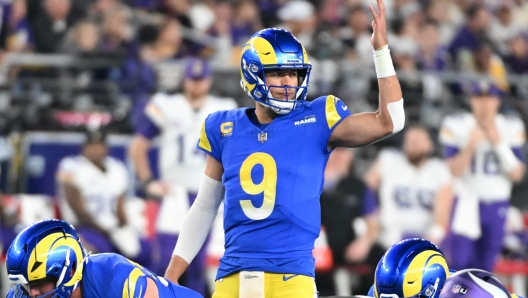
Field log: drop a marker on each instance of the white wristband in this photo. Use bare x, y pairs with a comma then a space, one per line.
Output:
383, 62
507, 159
436, 232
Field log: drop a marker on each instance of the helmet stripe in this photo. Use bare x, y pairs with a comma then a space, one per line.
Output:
39, 255
492, 289
412, 282
305, 55
265, 52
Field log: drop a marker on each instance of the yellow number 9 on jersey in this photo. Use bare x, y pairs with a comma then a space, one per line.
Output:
268, 185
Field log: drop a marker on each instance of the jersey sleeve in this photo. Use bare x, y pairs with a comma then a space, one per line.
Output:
146, 127
370, 202
135, 284
210, 135
155, 109
122, 175
443, 174
516, 137
335, 111
448, 137
66, 170
517, 134
153, 117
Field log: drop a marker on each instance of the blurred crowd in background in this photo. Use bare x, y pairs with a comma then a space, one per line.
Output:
68, 65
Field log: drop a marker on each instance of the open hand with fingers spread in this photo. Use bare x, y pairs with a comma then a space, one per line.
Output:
379, 26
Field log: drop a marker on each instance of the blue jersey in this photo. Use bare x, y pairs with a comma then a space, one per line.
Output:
112, 275
273, 178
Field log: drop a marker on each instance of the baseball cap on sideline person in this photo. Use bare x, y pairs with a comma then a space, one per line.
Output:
197, 69
485, 88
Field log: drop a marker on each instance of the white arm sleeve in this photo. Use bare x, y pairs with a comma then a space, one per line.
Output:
397, 114
199, 219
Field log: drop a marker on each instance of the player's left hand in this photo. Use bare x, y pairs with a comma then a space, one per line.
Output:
358, 250
379, 26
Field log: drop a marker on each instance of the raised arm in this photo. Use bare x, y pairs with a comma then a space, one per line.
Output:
365, 128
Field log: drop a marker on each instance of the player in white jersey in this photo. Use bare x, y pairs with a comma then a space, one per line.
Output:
177, 119
92, 190
411, 192
485, 152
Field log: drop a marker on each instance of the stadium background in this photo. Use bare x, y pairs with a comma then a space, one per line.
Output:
69, 64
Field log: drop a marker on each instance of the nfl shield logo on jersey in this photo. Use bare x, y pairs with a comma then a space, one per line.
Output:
263, 137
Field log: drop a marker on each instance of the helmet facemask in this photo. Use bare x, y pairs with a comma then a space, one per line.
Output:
284, 106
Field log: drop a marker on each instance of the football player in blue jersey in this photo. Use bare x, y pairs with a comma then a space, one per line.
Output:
47, 259
267, 165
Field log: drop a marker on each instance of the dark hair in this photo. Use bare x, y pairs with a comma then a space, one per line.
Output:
147, 34
473, 10
95, 136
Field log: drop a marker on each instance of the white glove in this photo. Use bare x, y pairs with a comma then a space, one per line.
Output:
126, 239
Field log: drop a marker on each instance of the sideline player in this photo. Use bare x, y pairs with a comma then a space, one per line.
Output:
412, 192
485, 153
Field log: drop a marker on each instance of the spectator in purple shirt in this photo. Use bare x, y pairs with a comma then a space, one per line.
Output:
432, 55
470, 35
517, 60
117, 31
19, 34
